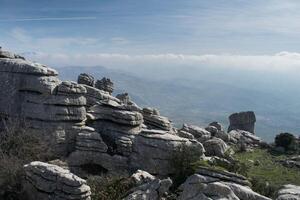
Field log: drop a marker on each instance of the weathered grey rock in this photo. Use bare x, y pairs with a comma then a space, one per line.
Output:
46, 182
199, 133
217, 125
114, 114
291, 162
154, 120
213, 130
153, 152
244, 139
129, 104
95, 96
289, 192
242, 121
211, 184
32, 92
105, 84
7, 54
215, 147
148, 187
89, 140
140, 177
86, 79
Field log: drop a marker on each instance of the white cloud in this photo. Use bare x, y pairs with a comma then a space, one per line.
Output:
28, 41
282, 61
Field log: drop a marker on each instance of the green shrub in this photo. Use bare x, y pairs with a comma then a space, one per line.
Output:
109, 188
286, 140
183, 162
264, 187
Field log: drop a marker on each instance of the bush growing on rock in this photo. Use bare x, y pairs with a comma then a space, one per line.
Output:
18, 146
286, 140
109, 188
183, 161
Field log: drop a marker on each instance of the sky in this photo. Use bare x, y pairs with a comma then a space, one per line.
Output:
255, 35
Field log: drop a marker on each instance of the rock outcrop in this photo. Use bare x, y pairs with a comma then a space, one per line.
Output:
105, 84
153, 119
148, 187
46, 182
242, 121
86, 79
244, 139
289, 192
198, 133
215, 147
213, 184
33, 92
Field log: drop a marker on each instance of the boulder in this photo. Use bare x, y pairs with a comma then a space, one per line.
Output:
215, 147
45, 181
105, 84
148, 187
217, 125
289, 192
242, 121
215, 184
199, 133
153, 120
86, 79
244, 139
153, 151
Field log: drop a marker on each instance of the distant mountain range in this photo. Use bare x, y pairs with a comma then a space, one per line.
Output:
201, 101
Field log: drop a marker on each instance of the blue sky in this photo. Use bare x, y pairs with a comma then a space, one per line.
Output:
120, 28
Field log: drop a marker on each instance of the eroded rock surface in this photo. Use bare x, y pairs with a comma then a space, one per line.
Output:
148, 187
47, 182
242, 121
212, 184
289, 192
105, 84
86, 79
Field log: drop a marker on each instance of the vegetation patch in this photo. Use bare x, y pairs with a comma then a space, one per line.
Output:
265, 174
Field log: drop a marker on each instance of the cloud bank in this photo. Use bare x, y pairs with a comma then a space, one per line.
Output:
283, 61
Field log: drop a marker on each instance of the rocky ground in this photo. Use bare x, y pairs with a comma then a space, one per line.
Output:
94, 133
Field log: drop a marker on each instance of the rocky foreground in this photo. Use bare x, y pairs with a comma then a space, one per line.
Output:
87, 126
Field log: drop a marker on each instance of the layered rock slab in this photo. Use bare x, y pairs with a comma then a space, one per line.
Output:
213, 184
45, 181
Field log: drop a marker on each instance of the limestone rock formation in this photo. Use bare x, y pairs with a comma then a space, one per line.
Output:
217, 125
125, 99
213, 184
95, 96
33, 92
242, 121
46, 182
105, 84
153, 151
199, 133
289, 192
215, 147
244, 139
154, 120
86, 79
148, 187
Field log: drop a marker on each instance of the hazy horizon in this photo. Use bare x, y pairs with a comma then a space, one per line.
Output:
248, 45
